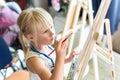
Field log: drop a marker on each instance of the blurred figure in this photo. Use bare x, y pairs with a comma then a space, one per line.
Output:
9, 12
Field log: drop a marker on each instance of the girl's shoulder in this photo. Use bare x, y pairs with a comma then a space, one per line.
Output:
30, 54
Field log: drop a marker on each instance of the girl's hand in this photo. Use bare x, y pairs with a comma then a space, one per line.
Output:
72, 54
61, 48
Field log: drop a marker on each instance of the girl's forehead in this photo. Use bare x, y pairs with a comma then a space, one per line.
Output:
42, 23
43, 27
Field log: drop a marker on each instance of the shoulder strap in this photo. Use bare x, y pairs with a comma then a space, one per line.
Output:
35, 50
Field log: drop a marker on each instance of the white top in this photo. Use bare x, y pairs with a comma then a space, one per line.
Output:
48, 62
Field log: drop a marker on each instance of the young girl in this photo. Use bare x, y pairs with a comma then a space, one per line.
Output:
36, 36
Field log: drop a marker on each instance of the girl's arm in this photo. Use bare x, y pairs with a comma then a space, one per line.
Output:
36, 64
60, 49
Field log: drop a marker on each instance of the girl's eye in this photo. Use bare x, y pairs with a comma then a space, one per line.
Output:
45, 31
48, 30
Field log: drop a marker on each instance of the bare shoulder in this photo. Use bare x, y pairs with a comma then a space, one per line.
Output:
35, 63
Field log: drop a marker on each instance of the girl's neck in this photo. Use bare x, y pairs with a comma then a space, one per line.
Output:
39, 47
44, 49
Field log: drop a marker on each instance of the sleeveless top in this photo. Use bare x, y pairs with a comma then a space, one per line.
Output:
49, 60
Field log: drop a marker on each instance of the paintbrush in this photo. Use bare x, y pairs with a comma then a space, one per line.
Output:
67, 36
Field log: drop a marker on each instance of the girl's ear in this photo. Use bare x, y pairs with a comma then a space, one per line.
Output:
30, 37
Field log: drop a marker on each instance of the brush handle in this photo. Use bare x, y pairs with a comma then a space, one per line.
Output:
62, 42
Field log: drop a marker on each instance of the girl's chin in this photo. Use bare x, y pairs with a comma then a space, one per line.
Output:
51, 42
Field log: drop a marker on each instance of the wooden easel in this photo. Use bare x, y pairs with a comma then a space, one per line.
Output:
72, 19
91, 43
93, 37
106, 54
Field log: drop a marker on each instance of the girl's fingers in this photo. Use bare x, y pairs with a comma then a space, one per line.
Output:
61, 46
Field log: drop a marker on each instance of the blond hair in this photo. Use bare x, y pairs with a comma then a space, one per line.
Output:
30, 21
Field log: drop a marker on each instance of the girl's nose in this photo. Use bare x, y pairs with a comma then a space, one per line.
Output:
52, 32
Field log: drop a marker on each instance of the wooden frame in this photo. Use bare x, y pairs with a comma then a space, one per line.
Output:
72, 20
93, 38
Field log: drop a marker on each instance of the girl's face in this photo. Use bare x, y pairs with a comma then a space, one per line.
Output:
46, 37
